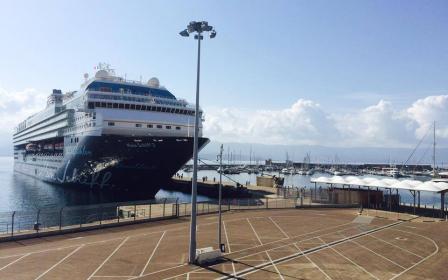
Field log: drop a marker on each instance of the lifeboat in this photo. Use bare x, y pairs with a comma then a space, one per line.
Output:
31, 147
59, 146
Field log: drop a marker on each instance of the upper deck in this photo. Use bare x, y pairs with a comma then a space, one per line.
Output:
113, 97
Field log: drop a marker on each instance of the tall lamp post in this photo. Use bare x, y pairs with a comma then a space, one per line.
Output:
197, 27
220, 244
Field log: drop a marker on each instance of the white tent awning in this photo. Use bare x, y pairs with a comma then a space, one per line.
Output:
412, 185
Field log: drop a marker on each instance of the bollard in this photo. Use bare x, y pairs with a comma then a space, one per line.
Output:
164, 202
177, 207
135, 211
267, 202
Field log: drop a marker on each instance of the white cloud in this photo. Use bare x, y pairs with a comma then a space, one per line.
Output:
303, 123
15, 106
306, 122
427, 110
380, 125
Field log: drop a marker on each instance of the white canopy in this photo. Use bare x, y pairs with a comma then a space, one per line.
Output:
413, 185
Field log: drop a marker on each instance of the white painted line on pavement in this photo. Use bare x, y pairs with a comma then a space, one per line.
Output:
101, 265
59, 262
256, 235
152, 254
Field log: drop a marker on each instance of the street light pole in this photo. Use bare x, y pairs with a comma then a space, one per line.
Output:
199, 28
219, 200
192, 255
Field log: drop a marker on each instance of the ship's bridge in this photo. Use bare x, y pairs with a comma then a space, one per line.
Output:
126, 88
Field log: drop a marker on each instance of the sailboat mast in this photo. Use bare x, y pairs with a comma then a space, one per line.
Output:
250, 156
434, 151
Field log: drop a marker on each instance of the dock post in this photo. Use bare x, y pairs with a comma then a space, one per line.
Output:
267, 202
12, 223
390, 200
414, 194
349, 195
135, 211
164, 202
368, 198
177, 207
418, 199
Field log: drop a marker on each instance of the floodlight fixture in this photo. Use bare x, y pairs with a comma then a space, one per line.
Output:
184, 33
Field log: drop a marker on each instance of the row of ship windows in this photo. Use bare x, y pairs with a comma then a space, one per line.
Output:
93, 105
89, 124
135, 99
148, 126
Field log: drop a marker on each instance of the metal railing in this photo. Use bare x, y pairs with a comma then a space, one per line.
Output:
108, 214
57, 219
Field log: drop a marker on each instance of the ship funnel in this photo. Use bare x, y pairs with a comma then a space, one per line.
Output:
101, 74
154, 82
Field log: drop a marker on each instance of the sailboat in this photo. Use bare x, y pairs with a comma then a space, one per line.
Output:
437, 176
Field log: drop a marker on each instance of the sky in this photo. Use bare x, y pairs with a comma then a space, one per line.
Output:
329, 73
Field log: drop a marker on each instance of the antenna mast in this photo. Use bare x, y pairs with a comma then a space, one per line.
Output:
434, 152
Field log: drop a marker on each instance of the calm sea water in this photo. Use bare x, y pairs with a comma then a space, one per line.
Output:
19, 192
23, 193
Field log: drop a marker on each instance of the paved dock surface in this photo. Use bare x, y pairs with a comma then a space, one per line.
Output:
261, 244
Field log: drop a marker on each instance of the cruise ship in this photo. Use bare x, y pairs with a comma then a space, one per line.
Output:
112, 133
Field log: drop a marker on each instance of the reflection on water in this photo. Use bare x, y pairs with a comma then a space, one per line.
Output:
23, 193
